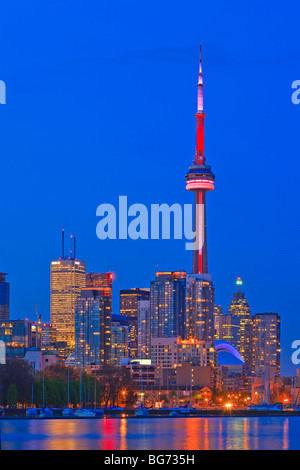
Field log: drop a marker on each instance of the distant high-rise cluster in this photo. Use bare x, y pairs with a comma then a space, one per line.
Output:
256, 337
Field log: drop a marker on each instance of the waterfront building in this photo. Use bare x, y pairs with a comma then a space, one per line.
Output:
39, 360
142, 373
173, 352
184, 377
167, 304
129, 299
4, 297
266, 342
93, 328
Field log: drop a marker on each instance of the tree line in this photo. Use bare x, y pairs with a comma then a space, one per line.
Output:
61, 386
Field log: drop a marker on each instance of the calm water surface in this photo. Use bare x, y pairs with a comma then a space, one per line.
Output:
155, 433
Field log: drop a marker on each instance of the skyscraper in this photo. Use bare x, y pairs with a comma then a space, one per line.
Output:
199, 316
99, 280
266, 342
4, 297
92, 328
67, 278
144, 329
129, 299
119, 342
239, 308
167, 304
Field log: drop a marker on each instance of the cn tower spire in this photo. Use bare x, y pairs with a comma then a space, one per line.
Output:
200, 85
200, 179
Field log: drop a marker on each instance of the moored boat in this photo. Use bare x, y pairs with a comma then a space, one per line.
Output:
31, 412
68, 412
83, 413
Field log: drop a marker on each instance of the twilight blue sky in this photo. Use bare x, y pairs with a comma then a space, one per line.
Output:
101, 99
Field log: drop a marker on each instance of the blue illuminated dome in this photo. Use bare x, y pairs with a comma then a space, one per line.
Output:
227, 353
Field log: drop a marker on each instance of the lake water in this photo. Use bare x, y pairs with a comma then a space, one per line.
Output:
191, 433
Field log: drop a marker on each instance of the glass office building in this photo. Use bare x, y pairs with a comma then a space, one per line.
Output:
4, 297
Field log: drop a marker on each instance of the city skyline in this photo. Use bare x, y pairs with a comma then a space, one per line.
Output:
181, 306
241, 111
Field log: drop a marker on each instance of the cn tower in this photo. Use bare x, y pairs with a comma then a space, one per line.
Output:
200, 179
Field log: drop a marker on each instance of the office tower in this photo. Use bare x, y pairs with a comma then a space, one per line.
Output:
93, 328
231, 330
200, 179
167, 304
200, 296
4, 297
119, 342
99, 280
266, 342
67, 278
144, 330
218, 322
18, 336
240, 308
129, 299
48, 335
36, 332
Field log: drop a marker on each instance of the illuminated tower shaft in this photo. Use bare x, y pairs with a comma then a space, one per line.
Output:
200, 179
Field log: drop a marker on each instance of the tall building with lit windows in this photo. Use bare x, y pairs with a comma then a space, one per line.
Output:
129, 299
99, 280
240, 310
167, 304
266, 342
119, 342
67, 279
199, 315
144, 329
4, 297
93, 323
218, 322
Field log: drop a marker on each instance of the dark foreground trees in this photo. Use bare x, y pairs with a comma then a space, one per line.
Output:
60, 386
15, 373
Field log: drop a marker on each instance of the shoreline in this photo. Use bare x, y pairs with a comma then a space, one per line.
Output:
209, 414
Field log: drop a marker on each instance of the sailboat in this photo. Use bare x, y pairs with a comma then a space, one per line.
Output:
31, 412
45, 412
141, 411
68, 412
265, 404
82, 412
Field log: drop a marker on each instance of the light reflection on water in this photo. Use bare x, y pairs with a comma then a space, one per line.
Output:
153, 434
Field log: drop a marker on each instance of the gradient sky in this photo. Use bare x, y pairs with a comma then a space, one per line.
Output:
101, 98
